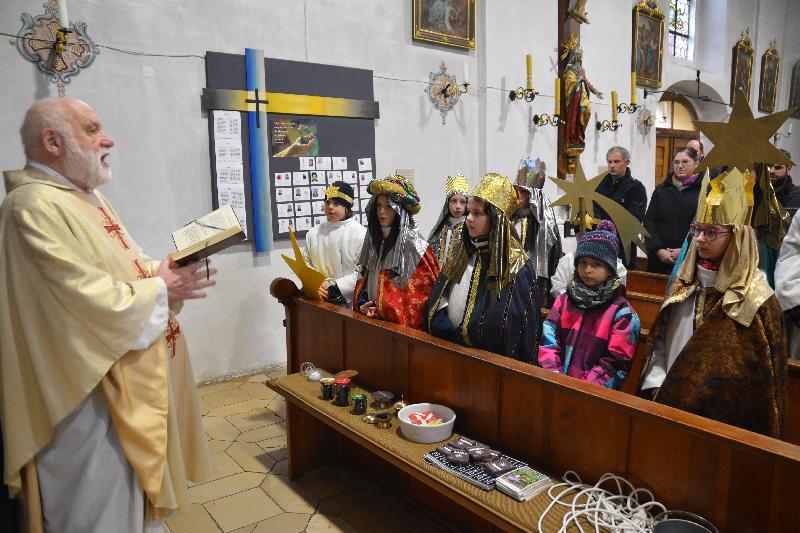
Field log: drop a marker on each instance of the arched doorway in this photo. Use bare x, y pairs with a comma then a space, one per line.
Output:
674, 128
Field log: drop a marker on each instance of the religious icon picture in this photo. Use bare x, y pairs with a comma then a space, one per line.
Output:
794, 92
742, 66
648, 43
293, 137
768, 88
446, 22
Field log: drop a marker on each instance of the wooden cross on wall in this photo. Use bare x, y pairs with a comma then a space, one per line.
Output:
257, 102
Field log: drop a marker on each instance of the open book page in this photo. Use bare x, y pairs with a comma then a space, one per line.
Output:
205, 227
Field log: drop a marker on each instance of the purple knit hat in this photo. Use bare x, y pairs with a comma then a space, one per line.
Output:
601, 244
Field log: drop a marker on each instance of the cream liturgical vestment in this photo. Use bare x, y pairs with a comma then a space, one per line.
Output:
75, 295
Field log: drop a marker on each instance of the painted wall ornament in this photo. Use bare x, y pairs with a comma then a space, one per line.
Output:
443, 91
58, 55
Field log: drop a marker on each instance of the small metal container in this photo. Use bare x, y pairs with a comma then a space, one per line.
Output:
359, 404
383, 420
341, 392
326, 388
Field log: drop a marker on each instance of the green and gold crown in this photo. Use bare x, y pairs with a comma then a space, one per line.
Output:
399, 190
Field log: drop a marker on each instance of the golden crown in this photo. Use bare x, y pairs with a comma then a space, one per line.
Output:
498, 191
332, 191
458, 185
730, 200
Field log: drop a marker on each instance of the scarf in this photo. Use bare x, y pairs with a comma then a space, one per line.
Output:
585, 297
686, 182
708, 265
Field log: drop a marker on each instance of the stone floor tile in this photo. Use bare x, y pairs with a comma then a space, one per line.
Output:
321, 523
204, 407
285, 523
217, 387
218, 428
281, 468
193, 520
242, 509
239, 407
329, 481
245, 529
291, 496
257, 378
222, 465
226, 397
259, 390
216, 446
214, 490
263, 433
254, 419
276, 372
278, 405
251, 457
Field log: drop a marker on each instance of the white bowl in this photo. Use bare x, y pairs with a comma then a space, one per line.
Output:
427, 434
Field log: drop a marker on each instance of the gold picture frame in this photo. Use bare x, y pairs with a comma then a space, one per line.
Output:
794, 92
768, 84
445, 22
742, 66
648, 43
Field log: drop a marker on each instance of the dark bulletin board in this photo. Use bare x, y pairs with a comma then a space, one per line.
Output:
353, 138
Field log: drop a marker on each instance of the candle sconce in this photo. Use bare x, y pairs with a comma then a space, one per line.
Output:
628, 108
443, 90
544, 120
606, 125
519, 94
781, 135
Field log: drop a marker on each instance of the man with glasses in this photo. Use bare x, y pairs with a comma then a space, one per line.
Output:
624, 189
786, 191
719, 343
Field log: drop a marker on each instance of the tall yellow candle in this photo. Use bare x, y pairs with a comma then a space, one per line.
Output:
633, 87
529, 70
558, 97
614, 105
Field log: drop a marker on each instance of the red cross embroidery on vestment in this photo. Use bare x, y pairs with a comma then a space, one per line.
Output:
172, 333
141, 271
113, 229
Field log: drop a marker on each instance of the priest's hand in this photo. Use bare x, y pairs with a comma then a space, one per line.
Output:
184, 282
368, 308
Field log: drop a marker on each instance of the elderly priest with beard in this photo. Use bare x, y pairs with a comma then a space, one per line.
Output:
100, 420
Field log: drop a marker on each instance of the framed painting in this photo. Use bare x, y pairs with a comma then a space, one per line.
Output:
794, 92
742, 66
768, 86
447, 22
648, 43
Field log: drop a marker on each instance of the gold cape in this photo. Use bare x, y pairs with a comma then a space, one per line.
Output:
69, 310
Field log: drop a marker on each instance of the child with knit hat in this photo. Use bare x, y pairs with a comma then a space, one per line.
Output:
592, 331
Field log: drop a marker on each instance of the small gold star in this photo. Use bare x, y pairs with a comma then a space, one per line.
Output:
309, 277
743, 141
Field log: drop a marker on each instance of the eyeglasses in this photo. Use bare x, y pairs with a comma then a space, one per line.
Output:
711, 233
677, 163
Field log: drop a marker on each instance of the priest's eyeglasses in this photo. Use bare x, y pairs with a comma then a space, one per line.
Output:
711, 233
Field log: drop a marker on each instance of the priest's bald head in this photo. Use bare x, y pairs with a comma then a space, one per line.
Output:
67, 135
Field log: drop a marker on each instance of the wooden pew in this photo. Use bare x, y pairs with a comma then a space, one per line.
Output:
740, 480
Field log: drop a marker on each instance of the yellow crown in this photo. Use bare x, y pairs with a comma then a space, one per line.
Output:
332, 191
730, 200
498, 191
456, 185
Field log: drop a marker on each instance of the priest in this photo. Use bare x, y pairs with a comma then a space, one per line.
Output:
100, 420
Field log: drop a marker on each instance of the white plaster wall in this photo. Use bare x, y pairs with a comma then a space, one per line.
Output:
151, 108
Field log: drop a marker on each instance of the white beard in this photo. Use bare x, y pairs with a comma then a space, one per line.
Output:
83, 167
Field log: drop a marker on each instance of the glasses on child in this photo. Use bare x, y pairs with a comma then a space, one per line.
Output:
711, 233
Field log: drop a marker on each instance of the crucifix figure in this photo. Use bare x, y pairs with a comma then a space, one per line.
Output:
113, 229
257, 101
171, 335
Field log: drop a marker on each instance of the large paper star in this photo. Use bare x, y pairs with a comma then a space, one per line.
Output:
744, 140
628, 226
309, 277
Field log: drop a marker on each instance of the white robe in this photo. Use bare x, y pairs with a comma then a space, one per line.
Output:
787, 280
333, 248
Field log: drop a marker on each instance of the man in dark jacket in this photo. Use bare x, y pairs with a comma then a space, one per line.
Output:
788, 193
624, 189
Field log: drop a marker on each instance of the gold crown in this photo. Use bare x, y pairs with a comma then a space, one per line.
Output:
570, 46
730, 200
332, 191
498, 191
456, 185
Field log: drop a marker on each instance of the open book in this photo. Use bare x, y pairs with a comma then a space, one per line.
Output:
207, 235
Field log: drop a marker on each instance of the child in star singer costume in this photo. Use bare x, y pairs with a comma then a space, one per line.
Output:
719, 343
397, 268
446, 234
486, 295
333, 246
591, 332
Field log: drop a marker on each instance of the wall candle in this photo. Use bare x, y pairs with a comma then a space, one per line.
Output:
558, 97
790, 128
529, 70
633, 87
614, 116
63, 16
465, 72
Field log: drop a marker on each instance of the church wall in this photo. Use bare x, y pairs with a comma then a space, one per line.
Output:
150, 107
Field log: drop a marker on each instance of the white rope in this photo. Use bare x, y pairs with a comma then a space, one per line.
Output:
632, 512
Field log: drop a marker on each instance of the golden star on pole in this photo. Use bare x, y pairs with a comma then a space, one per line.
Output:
628, 226
743, 141
309, 277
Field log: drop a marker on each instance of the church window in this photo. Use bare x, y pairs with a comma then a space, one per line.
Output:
680, 30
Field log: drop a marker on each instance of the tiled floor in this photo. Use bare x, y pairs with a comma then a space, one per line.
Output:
250, 492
